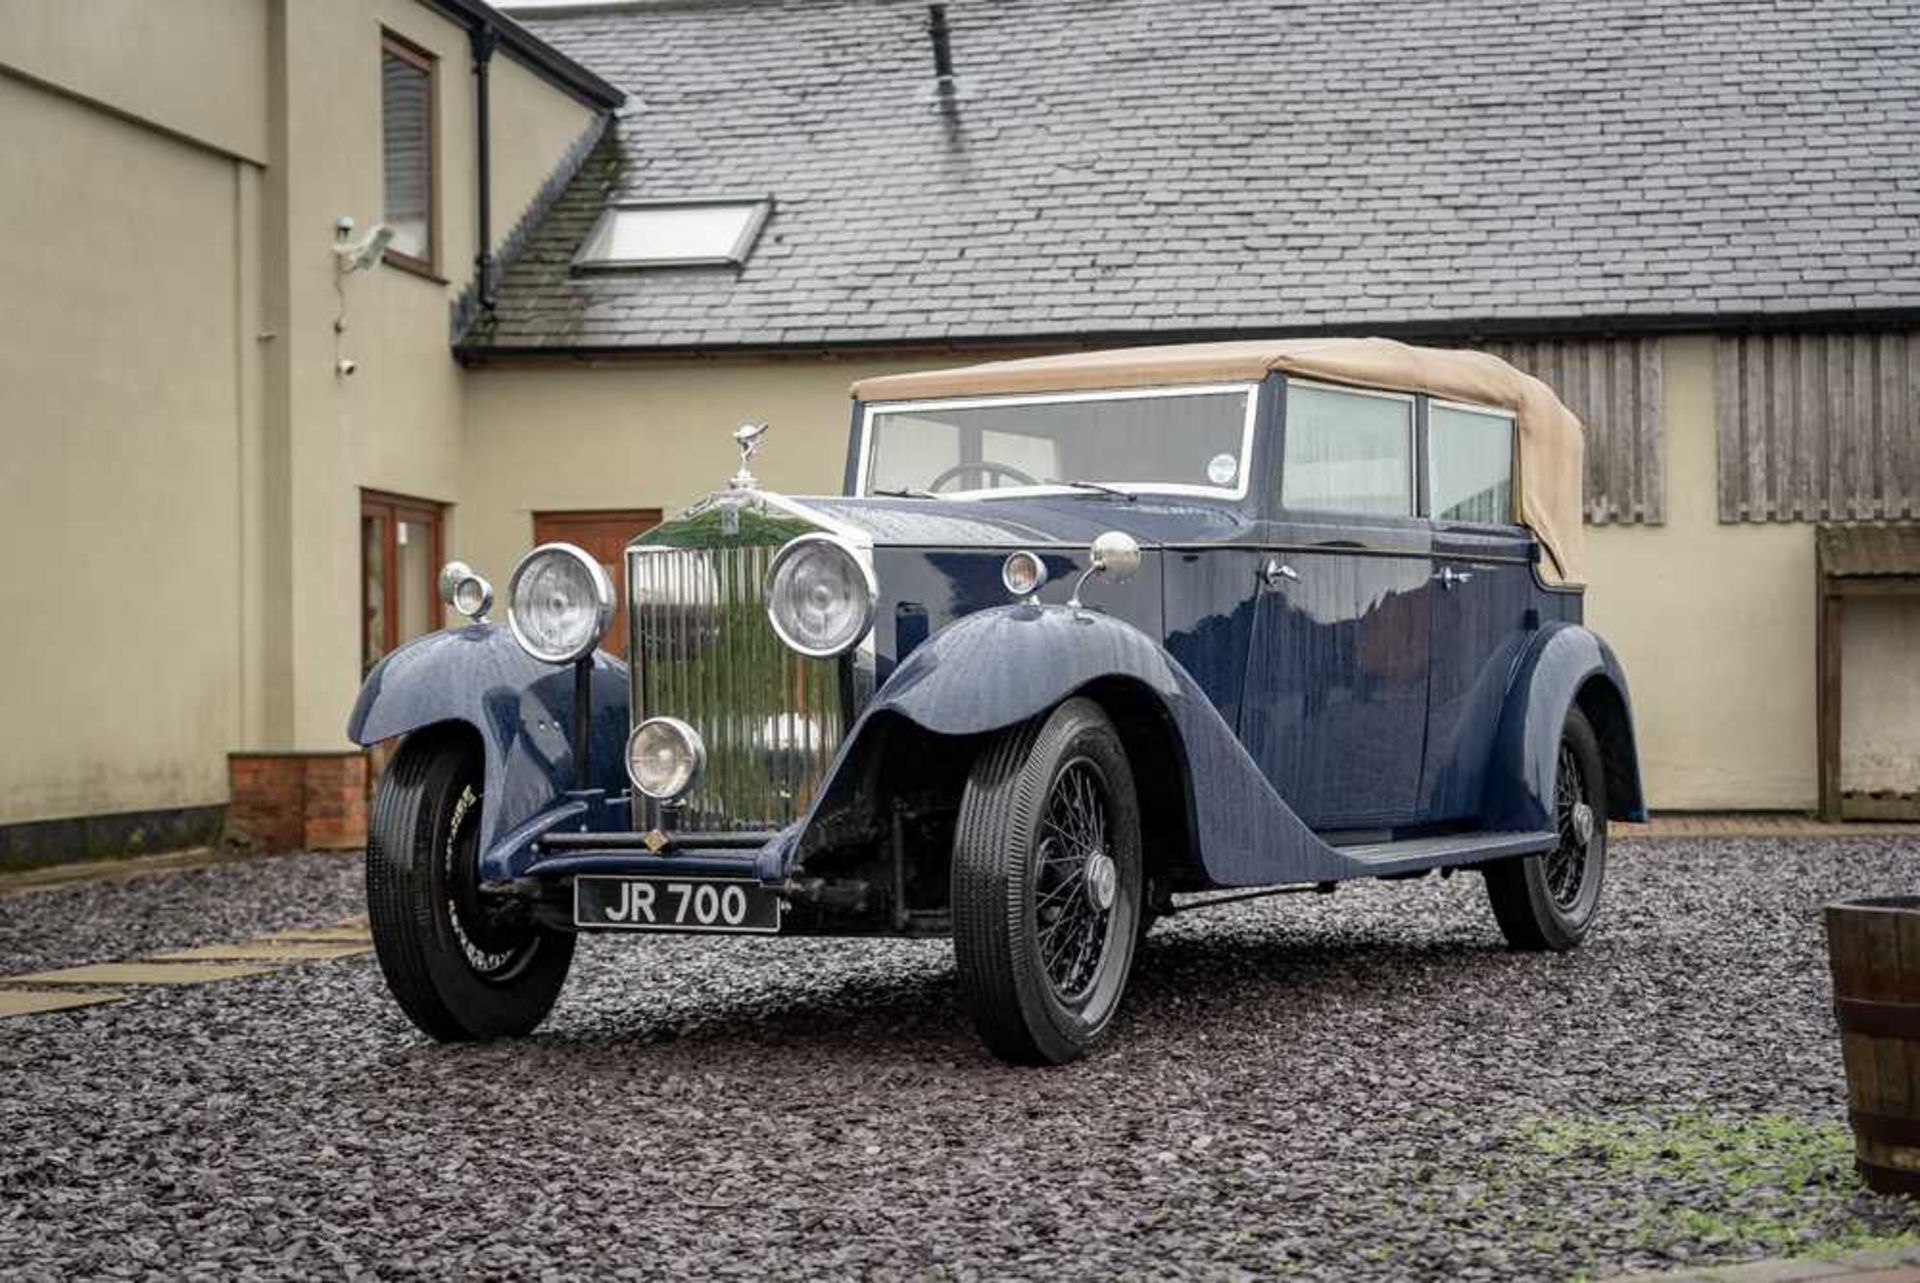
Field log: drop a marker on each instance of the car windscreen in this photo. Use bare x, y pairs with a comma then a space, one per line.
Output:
1181, 440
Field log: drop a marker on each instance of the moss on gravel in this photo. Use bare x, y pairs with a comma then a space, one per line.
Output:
1770, 1184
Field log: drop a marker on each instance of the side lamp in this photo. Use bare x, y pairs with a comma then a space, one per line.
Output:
467, 593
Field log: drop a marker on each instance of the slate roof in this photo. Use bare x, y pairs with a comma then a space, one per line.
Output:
1121, 168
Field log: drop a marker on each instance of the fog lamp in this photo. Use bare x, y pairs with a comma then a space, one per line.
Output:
664, 757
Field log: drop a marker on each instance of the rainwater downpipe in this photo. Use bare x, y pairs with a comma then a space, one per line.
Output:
484, 38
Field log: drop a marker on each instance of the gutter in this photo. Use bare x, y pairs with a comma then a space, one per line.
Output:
1460, 330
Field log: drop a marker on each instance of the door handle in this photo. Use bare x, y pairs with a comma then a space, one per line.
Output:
1276, 570
1450, 578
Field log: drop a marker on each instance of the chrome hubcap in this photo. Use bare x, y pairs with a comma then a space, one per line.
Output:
1583, 824
1103, 879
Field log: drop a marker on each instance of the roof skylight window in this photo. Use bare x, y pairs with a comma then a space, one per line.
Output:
679, 233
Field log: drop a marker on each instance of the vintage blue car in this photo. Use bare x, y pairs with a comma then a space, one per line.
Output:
1087, 640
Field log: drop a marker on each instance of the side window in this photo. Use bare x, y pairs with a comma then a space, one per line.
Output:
407, 151
1347, 452
1469, 464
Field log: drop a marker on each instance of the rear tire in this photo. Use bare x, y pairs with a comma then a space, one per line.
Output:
463, 966
1047, 885
1550, 901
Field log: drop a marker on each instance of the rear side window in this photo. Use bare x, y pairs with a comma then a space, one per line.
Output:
1347, 452
1469, 464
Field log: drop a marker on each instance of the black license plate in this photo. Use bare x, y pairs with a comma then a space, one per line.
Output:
674, 904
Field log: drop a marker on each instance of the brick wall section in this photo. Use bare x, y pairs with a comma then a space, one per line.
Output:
299, 801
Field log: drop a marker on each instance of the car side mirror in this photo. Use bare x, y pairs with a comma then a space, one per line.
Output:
1114, 554
1117, 556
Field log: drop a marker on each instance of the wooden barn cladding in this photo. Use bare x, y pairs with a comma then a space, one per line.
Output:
1819, 427
1614, 386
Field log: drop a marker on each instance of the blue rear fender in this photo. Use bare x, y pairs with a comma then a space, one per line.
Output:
1564, 667
520, 709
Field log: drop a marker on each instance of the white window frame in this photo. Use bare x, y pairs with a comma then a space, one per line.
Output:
1236, 491
1411, 400
587, 260
1513, 461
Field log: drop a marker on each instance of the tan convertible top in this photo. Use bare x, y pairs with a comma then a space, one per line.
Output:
1552, 444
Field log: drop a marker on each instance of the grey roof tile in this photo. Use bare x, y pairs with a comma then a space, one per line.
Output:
1127, 166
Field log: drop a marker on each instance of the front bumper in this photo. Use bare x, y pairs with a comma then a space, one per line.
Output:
814, 906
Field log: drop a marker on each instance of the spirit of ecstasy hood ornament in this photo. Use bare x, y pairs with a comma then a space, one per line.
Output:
747, 437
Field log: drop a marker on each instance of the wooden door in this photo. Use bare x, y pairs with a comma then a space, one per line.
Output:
604, 536
400, 551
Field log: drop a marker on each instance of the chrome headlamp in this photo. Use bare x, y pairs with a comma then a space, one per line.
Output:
820, 596
559, 603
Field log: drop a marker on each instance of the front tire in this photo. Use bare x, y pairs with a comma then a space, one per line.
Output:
1549, 901
1047, 885
465, 967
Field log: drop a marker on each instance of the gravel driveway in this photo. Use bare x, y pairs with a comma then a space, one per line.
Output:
1356, 1085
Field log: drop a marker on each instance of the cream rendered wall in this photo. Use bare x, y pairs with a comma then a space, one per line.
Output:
197, 68
533, 126
182, 463
1714, 624
124, 355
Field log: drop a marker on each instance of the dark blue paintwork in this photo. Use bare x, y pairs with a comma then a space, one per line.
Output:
1339, 658
521, 708
999, 667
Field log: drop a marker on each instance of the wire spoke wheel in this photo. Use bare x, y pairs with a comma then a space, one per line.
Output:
1048, 886
1566, 864
1073, 894
1550, 900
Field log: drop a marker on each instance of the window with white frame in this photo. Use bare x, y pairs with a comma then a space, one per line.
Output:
1469, 463
1347, 451
674, 234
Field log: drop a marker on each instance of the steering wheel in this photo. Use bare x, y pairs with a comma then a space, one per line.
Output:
986, 468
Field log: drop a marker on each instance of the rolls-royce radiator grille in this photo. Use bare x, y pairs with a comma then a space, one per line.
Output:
704, 652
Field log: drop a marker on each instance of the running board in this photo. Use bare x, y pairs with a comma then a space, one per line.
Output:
1454, 848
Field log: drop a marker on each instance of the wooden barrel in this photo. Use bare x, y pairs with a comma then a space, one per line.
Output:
1874, 948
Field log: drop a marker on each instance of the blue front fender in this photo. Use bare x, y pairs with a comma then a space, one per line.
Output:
521, 708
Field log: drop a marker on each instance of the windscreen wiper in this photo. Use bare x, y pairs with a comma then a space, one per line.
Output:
1102, 487
906, 493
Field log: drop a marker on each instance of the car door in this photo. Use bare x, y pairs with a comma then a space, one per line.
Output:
1335, 705
1481, 621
